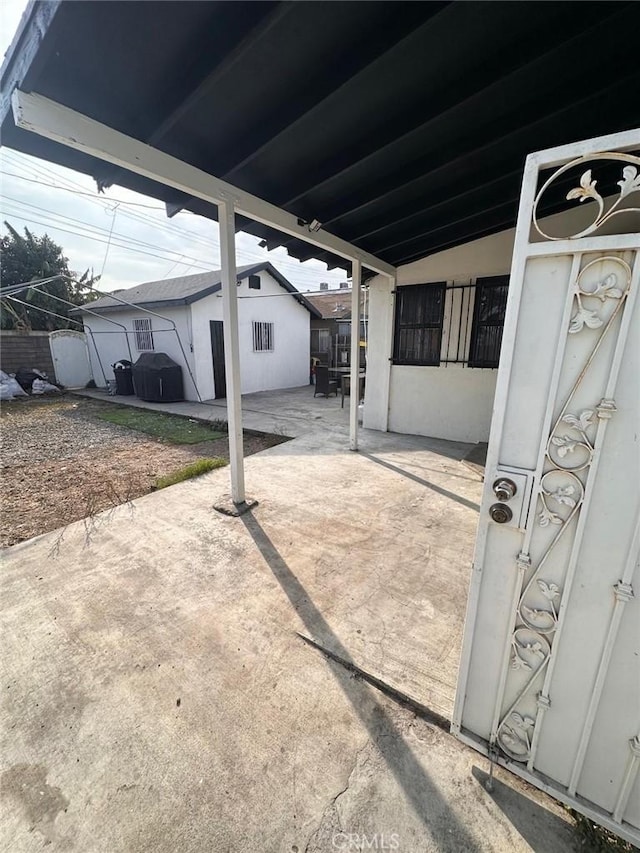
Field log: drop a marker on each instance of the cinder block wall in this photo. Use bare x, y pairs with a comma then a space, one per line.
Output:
26, 349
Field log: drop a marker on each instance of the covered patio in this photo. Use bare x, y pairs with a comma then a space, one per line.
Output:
183, 679
227, 94
165, 685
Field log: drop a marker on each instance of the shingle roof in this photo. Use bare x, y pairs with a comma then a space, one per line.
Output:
184, 290
333, 305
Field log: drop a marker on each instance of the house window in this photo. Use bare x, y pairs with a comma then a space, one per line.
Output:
418, 329
143, 334
320, 340
263, 337
254, 282
488, 321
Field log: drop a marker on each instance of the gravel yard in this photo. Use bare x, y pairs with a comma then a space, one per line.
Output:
60, 463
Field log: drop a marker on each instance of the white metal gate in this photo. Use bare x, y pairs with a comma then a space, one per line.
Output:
70, 358
549, 682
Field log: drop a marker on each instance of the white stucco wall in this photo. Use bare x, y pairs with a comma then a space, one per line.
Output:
112, 342
452, 401
286, 367
455, 402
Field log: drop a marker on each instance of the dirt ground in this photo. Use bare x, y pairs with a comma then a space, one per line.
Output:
60, 463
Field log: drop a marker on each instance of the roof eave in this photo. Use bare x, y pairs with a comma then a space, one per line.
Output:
105, 309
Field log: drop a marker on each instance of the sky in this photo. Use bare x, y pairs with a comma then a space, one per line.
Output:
125, 237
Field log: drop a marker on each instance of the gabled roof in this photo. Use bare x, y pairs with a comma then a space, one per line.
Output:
402, 127
333, 305
184, 290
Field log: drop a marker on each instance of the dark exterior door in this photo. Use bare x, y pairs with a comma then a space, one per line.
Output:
217, 351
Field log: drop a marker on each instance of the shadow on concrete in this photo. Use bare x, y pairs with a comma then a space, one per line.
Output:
533, 821
408, 772
438, 489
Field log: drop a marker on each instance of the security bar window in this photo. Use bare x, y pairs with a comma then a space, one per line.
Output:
488, 321
418, 328
263, 337
144, 335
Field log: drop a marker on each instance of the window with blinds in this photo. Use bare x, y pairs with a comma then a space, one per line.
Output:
263, 337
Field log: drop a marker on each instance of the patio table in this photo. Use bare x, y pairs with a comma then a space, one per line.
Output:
344, 375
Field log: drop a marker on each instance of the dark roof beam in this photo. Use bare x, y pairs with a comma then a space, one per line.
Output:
471, 159
530, 69
299, 108
465, 201
419, 211
370, 54
492, 222
259, 30
579, 116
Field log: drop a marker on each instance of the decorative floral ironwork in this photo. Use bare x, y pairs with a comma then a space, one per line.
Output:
541, 620
514, 737
547, 517
605, 289
586, 191
569, 454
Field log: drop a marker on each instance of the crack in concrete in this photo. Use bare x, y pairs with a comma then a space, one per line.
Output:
326, 817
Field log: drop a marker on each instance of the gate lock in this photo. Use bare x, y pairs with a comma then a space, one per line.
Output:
500, 513
513, 489
504, 489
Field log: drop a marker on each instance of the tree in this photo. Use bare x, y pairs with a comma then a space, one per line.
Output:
30, 258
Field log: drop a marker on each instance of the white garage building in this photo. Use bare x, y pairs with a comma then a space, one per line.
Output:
183, 318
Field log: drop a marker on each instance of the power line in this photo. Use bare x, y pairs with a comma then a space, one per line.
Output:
296, 266
55, 218
78, 192
106, 254
98, 240
88, 231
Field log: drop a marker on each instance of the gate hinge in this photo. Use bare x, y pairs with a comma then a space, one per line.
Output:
624, 591
543, 702
606, 408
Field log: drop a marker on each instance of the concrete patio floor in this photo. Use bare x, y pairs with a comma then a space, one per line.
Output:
383, 539
157, 694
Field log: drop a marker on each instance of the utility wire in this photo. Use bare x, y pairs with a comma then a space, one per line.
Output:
54, 217
123, 245
144, 218
106, 254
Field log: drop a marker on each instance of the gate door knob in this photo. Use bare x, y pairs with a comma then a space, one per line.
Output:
504, 489
500, 513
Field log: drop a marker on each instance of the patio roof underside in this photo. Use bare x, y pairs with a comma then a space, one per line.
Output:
402, 127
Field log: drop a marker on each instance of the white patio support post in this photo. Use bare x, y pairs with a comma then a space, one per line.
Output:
354, 394
226, 219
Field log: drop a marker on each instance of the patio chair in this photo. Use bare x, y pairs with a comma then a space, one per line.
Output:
324, 385
345, 387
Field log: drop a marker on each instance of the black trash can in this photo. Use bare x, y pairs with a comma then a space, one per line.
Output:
124, 377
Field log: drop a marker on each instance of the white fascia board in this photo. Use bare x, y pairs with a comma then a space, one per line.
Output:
68, 127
